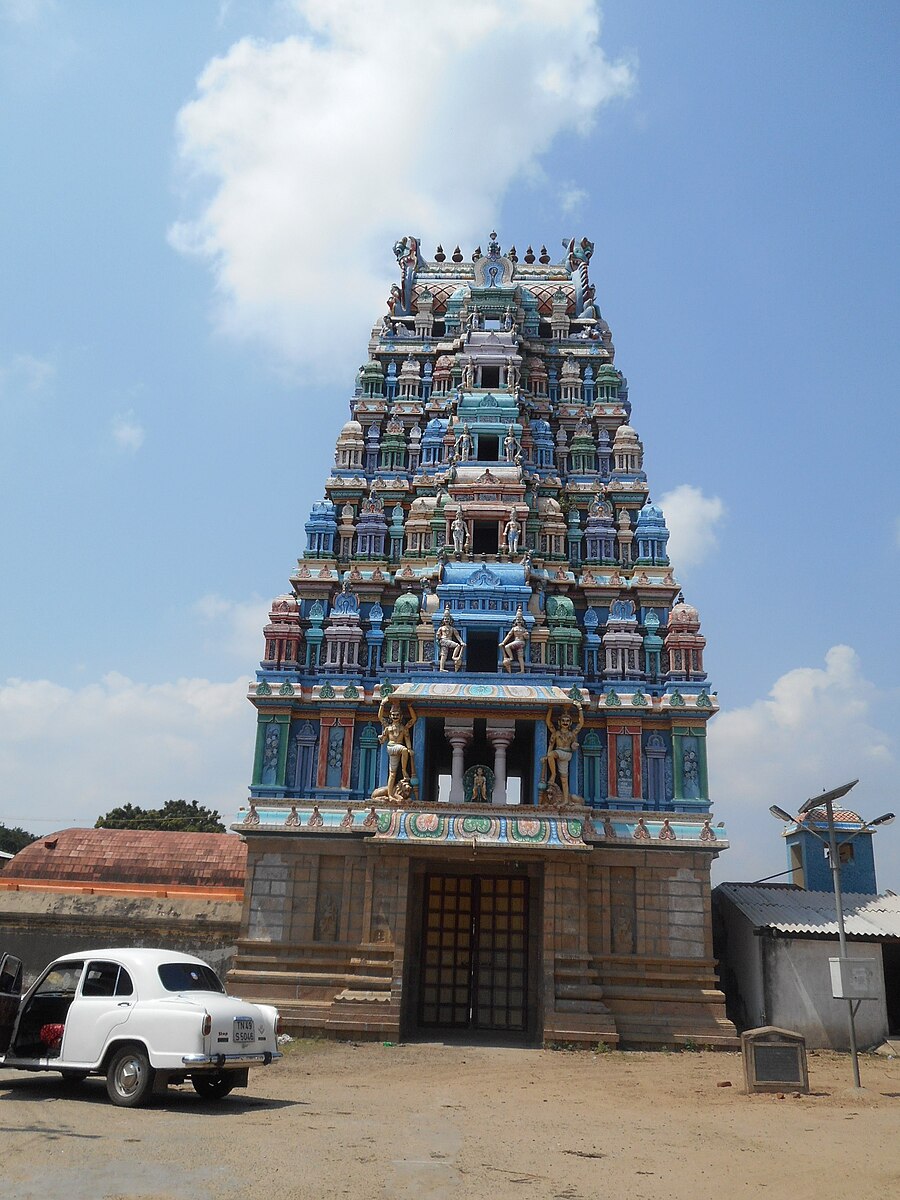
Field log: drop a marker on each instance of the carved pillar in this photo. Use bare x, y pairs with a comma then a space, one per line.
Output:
458, 734
500, 734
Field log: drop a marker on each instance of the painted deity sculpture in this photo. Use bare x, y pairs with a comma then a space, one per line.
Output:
395, 734
510, 444
464, 444
479, 787
513, 645
460, 533
450, 643
512, 531
561, 748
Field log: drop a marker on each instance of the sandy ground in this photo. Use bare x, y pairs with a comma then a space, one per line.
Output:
373, 1121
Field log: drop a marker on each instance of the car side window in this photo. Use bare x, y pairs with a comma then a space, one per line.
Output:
61, 980
106, 979
124, 986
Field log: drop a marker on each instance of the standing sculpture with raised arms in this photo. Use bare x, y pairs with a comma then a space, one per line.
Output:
395, 733
561, 749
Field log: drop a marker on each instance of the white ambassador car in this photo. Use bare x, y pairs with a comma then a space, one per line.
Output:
142, 1018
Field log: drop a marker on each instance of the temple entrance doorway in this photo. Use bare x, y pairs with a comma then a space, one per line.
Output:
473, 955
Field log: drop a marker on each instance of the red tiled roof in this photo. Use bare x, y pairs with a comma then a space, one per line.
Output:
133, 856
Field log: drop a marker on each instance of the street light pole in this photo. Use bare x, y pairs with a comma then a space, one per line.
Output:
827, 800
842, 935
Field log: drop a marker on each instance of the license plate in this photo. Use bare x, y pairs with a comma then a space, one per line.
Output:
243, 1029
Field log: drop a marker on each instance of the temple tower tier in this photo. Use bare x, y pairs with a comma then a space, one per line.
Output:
480, 800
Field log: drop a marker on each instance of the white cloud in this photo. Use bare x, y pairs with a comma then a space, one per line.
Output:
67, 755
819, 727
127, 432
234, 626
571, 198
382, 118
26, 12
25, 375
692, 519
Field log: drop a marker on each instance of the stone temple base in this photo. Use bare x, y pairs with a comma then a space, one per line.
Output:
527, 926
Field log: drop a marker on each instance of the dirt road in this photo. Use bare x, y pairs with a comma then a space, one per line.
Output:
415, 1121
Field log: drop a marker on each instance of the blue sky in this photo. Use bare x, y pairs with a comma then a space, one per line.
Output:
190, 271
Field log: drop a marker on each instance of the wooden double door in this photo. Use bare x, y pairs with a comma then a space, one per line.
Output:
474, 953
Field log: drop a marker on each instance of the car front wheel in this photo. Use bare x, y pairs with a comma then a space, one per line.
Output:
213, 1087
129, 1079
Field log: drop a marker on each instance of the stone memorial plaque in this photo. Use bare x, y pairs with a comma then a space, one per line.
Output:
774, 1063
774, 1060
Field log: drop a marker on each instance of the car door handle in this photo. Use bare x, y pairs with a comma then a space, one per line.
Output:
124, 1004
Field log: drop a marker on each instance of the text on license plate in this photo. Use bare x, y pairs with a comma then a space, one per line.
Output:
243, 1029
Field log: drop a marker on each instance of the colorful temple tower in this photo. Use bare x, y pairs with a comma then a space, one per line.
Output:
480, 797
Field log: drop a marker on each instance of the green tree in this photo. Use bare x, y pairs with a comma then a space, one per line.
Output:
14, 840
176, 816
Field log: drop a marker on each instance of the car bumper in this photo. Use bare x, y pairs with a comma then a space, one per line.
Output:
218, 1061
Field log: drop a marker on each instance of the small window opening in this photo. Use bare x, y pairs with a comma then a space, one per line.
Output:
488, 448
485, 537
481, 651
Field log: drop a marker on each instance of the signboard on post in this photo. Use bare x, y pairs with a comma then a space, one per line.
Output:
854, 979
774, 1060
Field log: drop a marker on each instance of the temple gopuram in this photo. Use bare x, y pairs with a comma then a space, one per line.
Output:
480, 801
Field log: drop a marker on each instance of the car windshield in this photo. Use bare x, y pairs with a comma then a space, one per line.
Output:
189, 977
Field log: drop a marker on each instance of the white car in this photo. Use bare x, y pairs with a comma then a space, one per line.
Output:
142, 1018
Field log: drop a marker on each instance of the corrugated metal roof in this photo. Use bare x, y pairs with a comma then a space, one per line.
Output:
794, 910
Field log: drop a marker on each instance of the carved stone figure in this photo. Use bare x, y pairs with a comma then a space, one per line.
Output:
512, 374
479, 787
561, 748
691, 770
402, 794
395, 734
507, 318
512, 531
589, 312
450, 643
510, 444
513, 645
464, 444
460, 533
468, 377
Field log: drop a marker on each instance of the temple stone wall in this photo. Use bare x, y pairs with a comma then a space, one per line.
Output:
337, 926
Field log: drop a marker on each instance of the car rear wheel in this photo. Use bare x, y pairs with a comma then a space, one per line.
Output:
213, 1087
129, 1079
